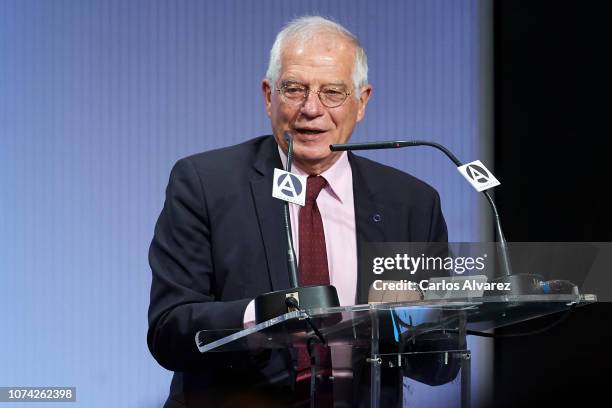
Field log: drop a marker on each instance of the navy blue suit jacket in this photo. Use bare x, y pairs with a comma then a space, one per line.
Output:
219, 242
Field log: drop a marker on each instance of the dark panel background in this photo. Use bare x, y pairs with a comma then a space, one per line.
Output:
550, 152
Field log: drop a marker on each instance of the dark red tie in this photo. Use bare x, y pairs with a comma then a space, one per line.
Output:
313, 269
313, 253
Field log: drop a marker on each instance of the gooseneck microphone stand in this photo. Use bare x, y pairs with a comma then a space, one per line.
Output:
520, 283
273, 304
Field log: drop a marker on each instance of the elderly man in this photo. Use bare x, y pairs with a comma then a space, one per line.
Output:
219, 240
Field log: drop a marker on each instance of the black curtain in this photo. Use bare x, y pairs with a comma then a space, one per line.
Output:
551, 155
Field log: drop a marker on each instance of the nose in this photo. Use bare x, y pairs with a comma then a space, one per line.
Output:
312, 106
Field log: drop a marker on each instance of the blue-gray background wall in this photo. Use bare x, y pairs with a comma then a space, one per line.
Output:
98, 99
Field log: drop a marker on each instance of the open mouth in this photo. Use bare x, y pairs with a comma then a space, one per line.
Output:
304, 131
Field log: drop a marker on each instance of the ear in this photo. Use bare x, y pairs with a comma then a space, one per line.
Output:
266, 89
364, 97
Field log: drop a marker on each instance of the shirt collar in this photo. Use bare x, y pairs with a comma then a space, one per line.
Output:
338, 176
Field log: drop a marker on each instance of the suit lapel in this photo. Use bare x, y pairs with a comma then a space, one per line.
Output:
270, 213
374, 219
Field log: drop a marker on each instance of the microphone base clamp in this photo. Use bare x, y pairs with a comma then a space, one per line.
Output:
272, 304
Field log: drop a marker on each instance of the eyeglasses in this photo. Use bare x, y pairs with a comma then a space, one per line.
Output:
330, 96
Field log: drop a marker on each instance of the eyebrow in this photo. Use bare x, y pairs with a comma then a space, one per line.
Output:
295, 81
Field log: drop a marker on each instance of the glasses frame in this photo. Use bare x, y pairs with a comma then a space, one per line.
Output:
281, 88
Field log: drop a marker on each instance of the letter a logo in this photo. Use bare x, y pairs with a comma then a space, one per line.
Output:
289, 187
478, 175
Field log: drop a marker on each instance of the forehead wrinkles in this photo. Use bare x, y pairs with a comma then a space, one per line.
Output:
319, 49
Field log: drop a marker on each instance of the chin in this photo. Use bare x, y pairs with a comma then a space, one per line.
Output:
310, 154
314, 162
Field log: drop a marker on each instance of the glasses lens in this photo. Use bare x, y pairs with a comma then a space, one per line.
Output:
294, 92
332, 97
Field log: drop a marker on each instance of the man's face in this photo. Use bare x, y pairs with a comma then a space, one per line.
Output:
324, 60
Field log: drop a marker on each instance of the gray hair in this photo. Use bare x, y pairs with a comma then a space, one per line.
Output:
304, 28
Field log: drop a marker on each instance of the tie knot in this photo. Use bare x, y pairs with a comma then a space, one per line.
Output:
314, 185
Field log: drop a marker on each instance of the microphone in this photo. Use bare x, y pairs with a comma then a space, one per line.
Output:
394, 144
296, 298
291, 261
